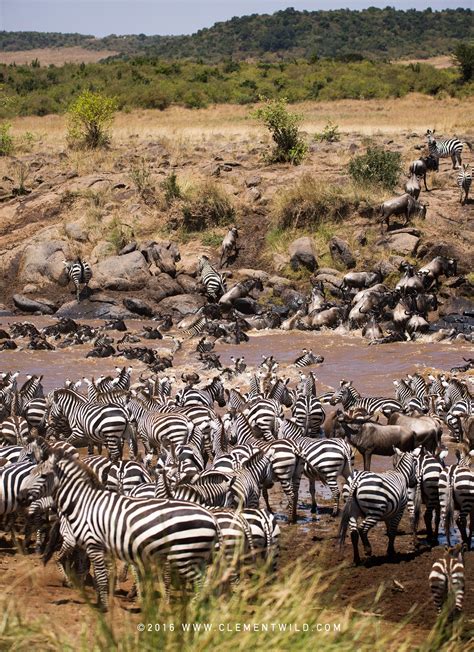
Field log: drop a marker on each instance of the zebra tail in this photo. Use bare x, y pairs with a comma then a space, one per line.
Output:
346, 514
449, 512
417, 505
53, 542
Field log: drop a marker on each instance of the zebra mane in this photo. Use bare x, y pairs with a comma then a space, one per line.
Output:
88, 475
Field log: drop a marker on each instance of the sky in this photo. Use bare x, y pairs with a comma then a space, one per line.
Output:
102, 17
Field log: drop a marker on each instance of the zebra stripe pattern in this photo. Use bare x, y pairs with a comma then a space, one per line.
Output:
447, 580
464, 181
79, 272
213, 282
452, 147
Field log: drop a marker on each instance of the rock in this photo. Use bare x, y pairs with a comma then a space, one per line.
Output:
429, 250
254, 180
341, 252
162, 286
42, 263
360, 237
387, 268
30, 305
138, 306
292, 298
184, 304
253, 273
4, 311
188, 284
102, 250
302, 254
330, 279
131, 246
190, 255
165, 255
88, 309
127, 272
404, 243
280, 261
458, 305
279, 282
327, 270
253, 194
30, 289
75, 231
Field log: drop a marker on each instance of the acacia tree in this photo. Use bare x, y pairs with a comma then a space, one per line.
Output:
89, 119
464, 58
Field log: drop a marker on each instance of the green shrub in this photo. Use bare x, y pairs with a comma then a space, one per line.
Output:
464, 59
330, 133
283, 126
90, 117
6, 139
207, 206
376, 167
171, 188
141, 178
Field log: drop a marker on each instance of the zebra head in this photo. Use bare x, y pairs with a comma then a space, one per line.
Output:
405, 463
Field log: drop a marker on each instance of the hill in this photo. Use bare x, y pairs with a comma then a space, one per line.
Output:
370, 33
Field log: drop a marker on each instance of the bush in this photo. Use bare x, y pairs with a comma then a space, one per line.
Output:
376, 167
208, 206
6, 139
283, 125
464, 59
330, 133
141, 177
90, 116
171, 188
311, 202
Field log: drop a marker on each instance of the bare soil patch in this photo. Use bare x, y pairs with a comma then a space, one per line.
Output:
56, 56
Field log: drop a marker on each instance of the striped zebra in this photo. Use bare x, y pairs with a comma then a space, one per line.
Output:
153, 428
209, 491
214, 283
405, 396
96, 424
447, 580
100, 465
325, 460
428, 470
265, 535
10, 454
14, 430
308, 358
262, 414
213, 392
138, 531
79, 272
377, 497
464, 181
237, 540
309, 414
452, 147
456, 492
248, 481
123, 476
352, 400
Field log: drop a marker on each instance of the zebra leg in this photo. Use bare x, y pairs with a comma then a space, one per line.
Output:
67, 548
355, 539
439, 590
101, 575
461, 522
312, 492
336, 494
429, 525
367, 524
265, 497
392, 527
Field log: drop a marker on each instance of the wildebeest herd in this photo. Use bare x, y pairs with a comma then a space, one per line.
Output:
210, 452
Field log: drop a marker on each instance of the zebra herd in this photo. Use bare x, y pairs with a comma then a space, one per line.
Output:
210, 453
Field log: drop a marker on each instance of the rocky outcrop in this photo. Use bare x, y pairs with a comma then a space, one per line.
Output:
162, 286
403, 243
42, 263
138, 307
184, 304
341, 252
94, 308
122, 273
26, 304
302, 254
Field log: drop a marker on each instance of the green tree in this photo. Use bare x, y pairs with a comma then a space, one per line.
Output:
464, 58
90, 117
376, 167
283, 126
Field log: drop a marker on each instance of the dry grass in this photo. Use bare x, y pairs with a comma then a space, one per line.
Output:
57, 56
224, 123
441, 62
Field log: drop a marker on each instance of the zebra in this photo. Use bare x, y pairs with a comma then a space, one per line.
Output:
138, 531
97, 424
456, 492
209, 491
14, 430
265, 535
262, 415
213, 392
308, 358
405, 395
214, 283
10, 454
325, 460
377, 497
309, 414
153, 428
100, 465
249, 478
446, 580
428, 470
237, 539
79, 272
446, 148
464, 181
352, 400
124, 475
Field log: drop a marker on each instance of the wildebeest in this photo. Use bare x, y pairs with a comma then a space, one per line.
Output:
403, 205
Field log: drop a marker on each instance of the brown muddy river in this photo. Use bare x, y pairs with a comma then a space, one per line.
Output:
372, 368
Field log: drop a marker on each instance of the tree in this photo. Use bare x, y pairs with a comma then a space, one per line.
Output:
90, 117
283, 125
464, 58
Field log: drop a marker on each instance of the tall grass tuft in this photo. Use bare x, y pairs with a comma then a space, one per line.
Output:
208, 205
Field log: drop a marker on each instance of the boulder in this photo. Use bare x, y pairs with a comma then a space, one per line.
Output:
254, 180
102, 250
89, 309
302, 254
457, 305
253, 273
42, 263
31, 305
184, 304
188, 284
75, 231
162, 286
138, 306
131, 246
341, 252
280, 261
190, 255
164, 255
403, 243
128, 272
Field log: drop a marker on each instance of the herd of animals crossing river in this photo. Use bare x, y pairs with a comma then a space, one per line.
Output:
181, 457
